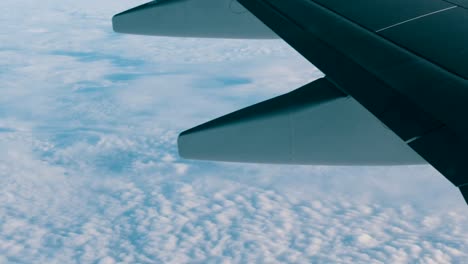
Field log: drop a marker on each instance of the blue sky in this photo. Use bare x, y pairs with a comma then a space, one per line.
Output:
89, 171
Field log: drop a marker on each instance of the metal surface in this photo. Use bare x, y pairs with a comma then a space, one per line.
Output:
422, 101
402, 63
441, 38
192, 18
315, 124
461, 3
376, 15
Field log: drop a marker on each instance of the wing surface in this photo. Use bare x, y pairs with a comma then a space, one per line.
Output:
404, 61
399, 63
192, 18
315, 124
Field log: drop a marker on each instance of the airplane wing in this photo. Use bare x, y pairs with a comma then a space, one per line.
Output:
395, 89
315, 124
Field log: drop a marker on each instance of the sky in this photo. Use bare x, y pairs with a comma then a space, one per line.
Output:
89, 170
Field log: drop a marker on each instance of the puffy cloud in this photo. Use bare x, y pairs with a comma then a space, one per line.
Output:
89, 171
52, 213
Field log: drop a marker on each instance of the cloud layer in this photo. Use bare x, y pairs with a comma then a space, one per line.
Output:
89, 171
157, 213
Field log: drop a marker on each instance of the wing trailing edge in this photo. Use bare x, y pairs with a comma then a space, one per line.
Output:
315, 124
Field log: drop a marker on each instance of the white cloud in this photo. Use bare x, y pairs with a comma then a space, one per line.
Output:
68, 217
89, 171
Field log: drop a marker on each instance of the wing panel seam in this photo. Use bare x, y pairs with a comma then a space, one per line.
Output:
416, 18
442, 67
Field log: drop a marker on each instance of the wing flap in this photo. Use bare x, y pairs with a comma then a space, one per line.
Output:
315, 124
